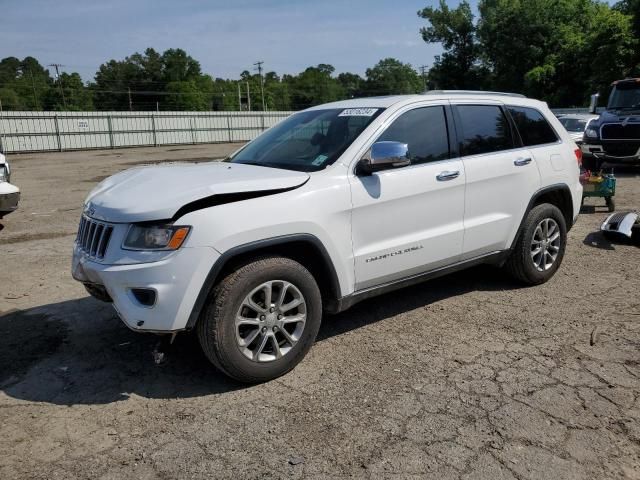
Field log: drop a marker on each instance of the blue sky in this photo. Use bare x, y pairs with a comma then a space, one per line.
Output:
225, 36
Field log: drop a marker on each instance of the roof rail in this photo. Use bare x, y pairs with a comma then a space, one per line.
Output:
471, 92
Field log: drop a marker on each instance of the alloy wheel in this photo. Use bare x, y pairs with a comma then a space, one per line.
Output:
545, 244
270, 321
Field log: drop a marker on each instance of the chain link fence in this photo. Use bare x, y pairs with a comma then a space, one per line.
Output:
62, 131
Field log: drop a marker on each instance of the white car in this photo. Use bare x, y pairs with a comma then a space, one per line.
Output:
9, 194
576, 124
331, 206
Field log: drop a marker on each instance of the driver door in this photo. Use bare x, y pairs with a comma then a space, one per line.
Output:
406, 221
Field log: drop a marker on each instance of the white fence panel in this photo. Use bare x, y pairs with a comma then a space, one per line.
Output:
60, 131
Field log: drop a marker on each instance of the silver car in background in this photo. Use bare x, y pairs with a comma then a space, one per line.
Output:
576, 124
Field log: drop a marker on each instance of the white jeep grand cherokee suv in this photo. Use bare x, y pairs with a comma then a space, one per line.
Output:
333, 205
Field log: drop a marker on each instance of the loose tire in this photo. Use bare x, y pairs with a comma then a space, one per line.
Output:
539, 249
261, 319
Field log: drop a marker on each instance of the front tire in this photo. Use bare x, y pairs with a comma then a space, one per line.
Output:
261, 319
540, 247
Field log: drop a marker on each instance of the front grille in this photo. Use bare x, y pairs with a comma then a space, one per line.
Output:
618, 131
93, 237
617, 218
621, 149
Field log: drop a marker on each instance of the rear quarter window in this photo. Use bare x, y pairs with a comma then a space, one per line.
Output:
533, 128
485, 129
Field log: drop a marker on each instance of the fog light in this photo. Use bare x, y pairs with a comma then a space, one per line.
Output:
145, 296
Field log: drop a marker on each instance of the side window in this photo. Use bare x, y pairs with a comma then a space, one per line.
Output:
485, 129
424, 130
533, 127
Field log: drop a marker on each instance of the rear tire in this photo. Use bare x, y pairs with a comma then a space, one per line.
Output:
248, 328
540, 247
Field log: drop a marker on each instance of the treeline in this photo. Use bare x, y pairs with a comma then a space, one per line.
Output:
174, 80
556, 50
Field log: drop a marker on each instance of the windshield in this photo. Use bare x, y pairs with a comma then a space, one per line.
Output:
625, 96
307, 141
573, 124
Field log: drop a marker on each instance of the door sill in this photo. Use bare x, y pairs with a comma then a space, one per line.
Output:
493, 258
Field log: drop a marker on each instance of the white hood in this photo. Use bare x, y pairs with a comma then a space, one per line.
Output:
158, 192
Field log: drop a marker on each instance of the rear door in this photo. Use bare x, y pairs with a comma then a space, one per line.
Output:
543, 142
409, 220
501, 176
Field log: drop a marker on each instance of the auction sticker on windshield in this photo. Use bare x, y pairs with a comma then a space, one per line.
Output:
358, 112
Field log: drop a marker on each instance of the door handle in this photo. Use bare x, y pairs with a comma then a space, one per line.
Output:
520, 162
448, 175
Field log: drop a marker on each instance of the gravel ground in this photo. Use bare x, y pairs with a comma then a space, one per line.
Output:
467, 376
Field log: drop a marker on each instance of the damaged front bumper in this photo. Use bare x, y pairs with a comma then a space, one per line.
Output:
171, 286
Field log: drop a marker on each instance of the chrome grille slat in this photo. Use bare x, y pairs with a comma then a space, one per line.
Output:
93, 237
97, 233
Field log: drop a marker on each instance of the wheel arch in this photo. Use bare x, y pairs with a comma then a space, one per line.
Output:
558, 195
306, 249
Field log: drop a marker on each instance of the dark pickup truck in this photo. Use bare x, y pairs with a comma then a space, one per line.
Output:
615, 135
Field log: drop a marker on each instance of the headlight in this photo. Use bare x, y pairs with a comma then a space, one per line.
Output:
591, 133
155, 237
5, 172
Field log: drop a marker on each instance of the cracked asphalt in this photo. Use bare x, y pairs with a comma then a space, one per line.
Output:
464, 377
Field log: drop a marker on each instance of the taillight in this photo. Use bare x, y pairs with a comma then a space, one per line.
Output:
578, 153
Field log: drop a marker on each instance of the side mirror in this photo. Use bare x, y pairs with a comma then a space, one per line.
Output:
385, 155
593, 104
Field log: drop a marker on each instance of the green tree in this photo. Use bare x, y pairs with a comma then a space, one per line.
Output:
314, 86
390, 76
25, 83
76, 96
557, 50
455, 30
632, 9
351, 83
186, 95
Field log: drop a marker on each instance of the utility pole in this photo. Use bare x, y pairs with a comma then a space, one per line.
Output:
259, 68
59, 79
130, 103
423, 70
248, 98
239, 98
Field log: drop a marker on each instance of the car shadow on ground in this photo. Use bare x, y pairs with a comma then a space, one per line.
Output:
78, 352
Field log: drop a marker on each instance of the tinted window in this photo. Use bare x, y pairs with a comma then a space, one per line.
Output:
533, 127
484, 129
424, 130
